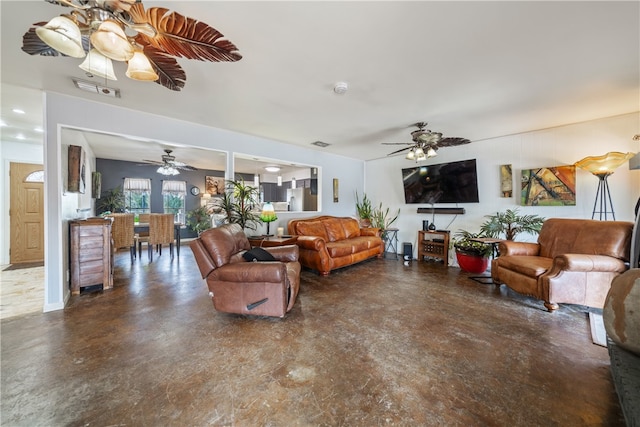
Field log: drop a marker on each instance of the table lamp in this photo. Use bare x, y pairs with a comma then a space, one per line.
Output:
602, 167
268, 215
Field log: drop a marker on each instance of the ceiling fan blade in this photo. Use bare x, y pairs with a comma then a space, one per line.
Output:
450, 142
397, 143
152, 162
400, 151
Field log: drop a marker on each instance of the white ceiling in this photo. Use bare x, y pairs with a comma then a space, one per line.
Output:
471, 69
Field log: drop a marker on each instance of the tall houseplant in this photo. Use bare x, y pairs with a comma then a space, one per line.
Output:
198, 219
238, 203
364, 210
381, 218
510, 223
111, 201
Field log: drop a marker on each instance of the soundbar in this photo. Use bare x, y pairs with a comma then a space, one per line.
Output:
451, 211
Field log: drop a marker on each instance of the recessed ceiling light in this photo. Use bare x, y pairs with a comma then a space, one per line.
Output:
18, 111
38, 129
320, 144
271, 168
2, 124
20, 136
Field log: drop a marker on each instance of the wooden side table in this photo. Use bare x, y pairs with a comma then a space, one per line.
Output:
434, 244
271, 241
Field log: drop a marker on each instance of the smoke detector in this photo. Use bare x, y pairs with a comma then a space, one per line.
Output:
340, 88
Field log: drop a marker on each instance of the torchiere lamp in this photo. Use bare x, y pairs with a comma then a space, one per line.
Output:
268, 215
602, 167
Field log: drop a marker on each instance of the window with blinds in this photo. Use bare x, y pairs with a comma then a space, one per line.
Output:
137, 194
173, 198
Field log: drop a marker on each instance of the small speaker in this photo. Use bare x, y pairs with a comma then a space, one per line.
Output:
407, 251
425, 225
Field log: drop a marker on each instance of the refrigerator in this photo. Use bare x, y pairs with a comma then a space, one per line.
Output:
301, 199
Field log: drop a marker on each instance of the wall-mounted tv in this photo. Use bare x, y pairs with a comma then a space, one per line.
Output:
454, 182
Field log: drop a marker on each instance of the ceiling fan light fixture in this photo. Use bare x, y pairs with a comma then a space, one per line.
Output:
411, 155
167, 170
62, 34
112, 42
139, 68
96, 64
431, 152
419, 152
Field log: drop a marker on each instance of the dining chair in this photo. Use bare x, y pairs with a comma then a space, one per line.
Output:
142, 236
122, 232
161, 232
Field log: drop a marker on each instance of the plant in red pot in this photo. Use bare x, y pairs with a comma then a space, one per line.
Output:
472, 256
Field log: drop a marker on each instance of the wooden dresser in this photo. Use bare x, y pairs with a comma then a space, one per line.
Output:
90, 254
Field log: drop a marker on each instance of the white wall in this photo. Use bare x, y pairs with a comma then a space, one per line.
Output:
551, 147
63, 111
16, 152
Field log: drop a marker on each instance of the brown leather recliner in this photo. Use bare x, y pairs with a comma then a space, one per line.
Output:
237, 286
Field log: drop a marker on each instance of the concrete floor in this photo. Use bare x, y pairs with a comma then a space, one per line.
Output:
373, 344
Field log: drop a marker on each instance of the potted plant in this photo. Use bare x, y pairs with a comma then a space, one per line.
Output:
198, 219
364, 210
238, 203
472, 256
510, 223
381, 218
111, 201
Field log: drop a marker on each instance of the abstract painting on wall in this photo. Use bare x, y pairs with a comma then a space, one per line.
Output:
549, 186
506, 181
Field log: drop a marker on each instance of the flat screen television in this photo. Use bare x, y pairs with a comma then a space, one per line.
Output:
454, 182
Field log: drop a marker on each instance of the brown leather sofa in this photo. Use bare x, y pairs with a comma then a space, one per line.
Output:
236, 286
574, 261
328, 242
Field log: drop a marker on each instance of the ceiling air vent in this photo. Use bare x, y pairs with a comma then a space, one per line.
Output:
95, 88
320, 144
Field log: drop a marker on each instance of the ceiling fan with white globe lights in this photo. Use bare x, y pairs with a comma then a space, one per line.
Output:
425, 143
169, 165
122, 30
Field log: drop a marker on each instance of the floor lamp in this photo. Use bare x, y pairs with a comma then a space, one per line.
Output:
602, 167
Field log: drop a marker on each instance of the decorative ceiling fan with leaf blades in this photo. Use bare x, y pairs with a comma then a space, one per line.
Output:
169, 165
425, 143
122, 30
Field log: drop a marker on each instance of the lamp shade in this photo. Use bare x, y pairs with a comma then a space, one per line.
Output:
411, 155
268, 213
431, 152
112, 42
62, 34
98, 65
140, 68
605, 164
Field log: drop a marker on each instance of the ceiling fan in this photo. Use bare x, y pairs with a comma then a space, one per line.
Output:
122, 30
425, 143
169, 165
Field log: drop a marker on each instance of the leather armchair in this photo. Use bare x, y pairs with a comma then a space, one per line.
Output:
574, 261
237, 286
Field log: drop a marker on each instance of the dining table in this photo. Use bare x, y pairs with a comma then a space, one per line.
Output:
144, 226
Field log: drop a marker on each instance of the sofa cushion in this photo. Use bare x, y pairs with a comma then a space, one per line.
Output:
340, 248
311, 228
531, 266
351, 228
361, 244
333, 227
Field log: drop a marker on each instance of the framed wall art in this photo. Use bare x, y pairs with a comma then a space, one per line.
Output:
76, 173
549, 186
214, 185
506, 181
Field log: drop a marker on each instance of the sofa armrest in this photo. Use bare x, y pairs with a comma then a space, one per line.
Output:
288, 253
509, 247
204, 261
586, 263
370, 231
250, 272
313, 243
